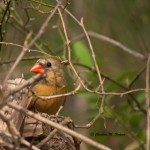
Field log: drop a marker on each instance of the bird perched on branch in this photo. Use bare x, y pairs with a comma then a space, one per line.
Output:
52, 84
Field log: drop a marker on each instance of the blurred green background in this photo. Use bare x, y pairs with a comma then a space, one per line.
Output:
126, 21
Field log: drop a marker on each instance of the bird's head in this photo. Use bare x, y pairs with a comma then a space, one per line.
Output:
53, 68
49, 64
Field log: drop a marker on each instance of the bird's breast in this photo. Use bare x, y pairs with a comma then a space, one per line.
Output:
49, 106
44, 90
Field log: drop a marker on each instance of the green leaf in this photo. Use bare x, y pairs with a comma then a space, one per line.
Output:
136, 120
107, 114
141, 97
82, 53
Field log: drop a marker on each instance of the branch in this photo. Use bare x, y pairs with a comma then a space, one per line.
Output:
148, 103
138, 105
2, 20
60, 128
101, 110
95, 63
69, 54
44, 141
116, 43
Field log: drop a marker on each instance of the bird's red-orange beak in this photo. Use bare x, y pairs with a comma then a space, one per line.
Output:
37, 68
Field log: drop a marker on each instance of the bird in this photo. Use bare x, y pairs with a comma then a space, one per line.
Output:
53, 83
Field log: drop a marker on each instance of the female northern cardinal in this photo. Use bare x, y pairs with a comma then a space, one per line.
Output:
54, 83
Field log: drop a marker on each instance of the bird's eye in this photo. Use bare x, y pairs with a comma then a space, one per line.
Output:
49, 64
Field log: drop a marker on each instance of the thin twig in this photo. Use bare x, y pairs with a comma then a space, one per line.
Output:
101, 109
42, 3
23, 59
61, 95
137, 77
69, 54
148, 103
116, 43
121, 94
2, 20
13, 44
95, 63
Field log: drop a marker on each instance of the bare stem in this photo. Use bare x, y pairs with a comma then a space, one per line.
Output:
148, 103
